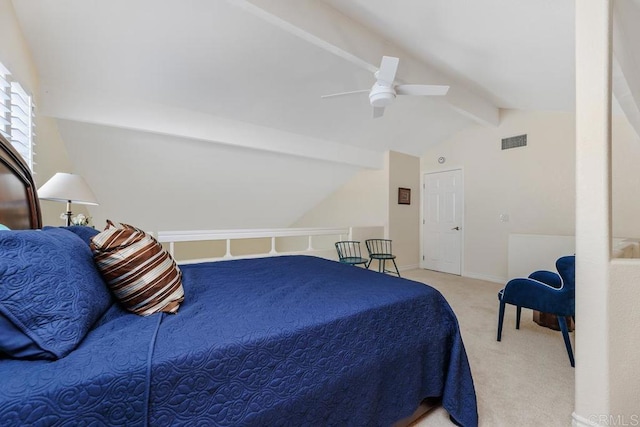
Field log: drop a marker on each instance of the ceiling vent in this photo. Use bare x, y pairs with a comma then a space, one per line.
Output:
514, 141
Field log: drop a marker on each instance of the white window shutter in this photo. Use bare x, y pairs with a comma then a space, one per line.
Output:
5, 102
21, 122
16, 116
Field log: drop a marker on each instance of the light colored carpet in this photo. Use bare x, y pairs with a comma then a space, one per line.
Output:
524, 380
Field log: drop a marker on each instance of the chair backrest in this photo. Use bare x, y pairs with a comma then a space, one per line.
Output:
566, 267
566, 295
379, 246
348, 249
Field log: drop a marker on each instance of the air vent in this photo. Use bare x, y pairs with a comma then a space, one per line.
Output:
514, 141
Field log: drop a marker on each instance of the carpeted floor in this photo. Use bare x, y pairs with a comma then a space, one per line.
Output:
524, 380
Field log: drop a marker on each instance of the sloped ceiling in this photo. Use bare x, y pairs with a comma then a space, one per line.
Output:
223, 187
213, 58
518, 54
248, 75
266, 63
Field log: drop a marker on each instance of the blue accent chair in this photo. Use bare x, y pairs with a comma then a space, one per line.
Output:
546, 292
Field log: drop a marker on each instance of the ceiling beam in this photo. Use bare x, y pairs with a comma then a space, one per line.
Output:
102, 109
325, 27
626, 66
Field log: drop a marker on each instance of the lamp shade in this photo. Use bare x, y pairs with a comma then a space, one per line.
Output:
67, 187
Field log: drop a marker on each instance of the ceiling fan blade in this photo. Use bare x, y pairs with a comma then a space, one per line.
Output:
378, 112
387, 72
421, 90
345, 93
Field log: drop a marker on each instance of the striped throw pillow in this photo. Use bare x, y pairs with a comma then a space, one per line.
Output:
139, 271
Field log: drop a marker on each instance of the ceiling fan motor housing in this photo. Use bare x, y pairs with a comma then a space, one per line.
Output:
381, 96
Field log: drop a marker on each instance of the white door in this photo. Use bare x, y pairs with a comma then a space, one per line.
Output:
442, 223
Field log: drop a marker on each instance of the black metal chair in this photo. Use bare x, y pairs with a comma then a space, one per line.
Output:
380, 249
349, 253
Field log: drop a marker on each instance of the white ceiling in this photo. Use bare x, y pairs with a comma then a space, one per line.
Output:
266, 63
517, 53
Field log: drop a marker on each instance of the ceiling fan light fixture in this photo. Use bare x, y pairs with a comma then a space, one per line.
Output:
384, 92
381, 96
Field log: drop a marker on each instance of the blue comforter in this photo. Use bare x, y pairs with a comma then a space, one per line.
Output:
273, 341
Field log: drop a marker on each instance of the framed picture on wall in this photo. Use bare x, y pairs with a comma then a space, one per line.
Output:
404, 196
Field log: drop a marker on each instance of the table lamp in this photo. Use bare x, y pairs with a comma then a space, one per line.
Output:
69, 188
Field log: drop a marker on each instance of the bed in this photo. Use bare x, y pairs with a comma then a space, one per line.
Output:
287, 340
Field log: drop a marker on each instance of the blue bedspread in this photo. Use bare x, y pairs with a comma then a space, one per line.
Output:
272, 341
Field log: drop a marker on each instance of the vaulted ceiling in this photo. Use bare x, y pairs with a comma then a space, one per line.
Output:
260, 66
249, 74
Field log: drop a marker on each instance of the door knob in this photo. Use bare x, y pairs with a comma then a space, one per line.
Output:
456, 228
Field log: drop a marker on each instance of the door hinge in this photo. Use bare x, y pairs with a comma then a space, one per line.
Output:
423, 257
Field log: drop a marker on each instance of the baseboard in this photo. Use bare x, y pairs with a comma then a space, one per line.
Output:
484, 277
578, 421
408, 267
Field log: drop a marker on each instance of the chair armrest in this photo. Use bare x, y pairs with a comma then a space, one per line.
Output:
548, 277
536, 295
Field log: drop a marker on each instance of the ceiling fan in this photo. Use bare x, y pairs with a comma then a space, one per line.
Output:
383, 91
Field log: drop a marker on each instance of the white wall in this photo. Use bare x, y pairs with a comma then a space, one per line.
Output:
534, 185
625, 151
161, 182
624, 348
51, 152
404, 220
362, 200
371, 198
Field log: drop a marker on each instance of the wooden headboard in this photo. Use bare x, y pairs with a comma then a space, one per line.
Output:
19, 205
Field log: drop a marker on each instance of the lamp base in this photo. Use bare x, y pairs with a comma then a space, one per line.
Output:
68, 213
68, 218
